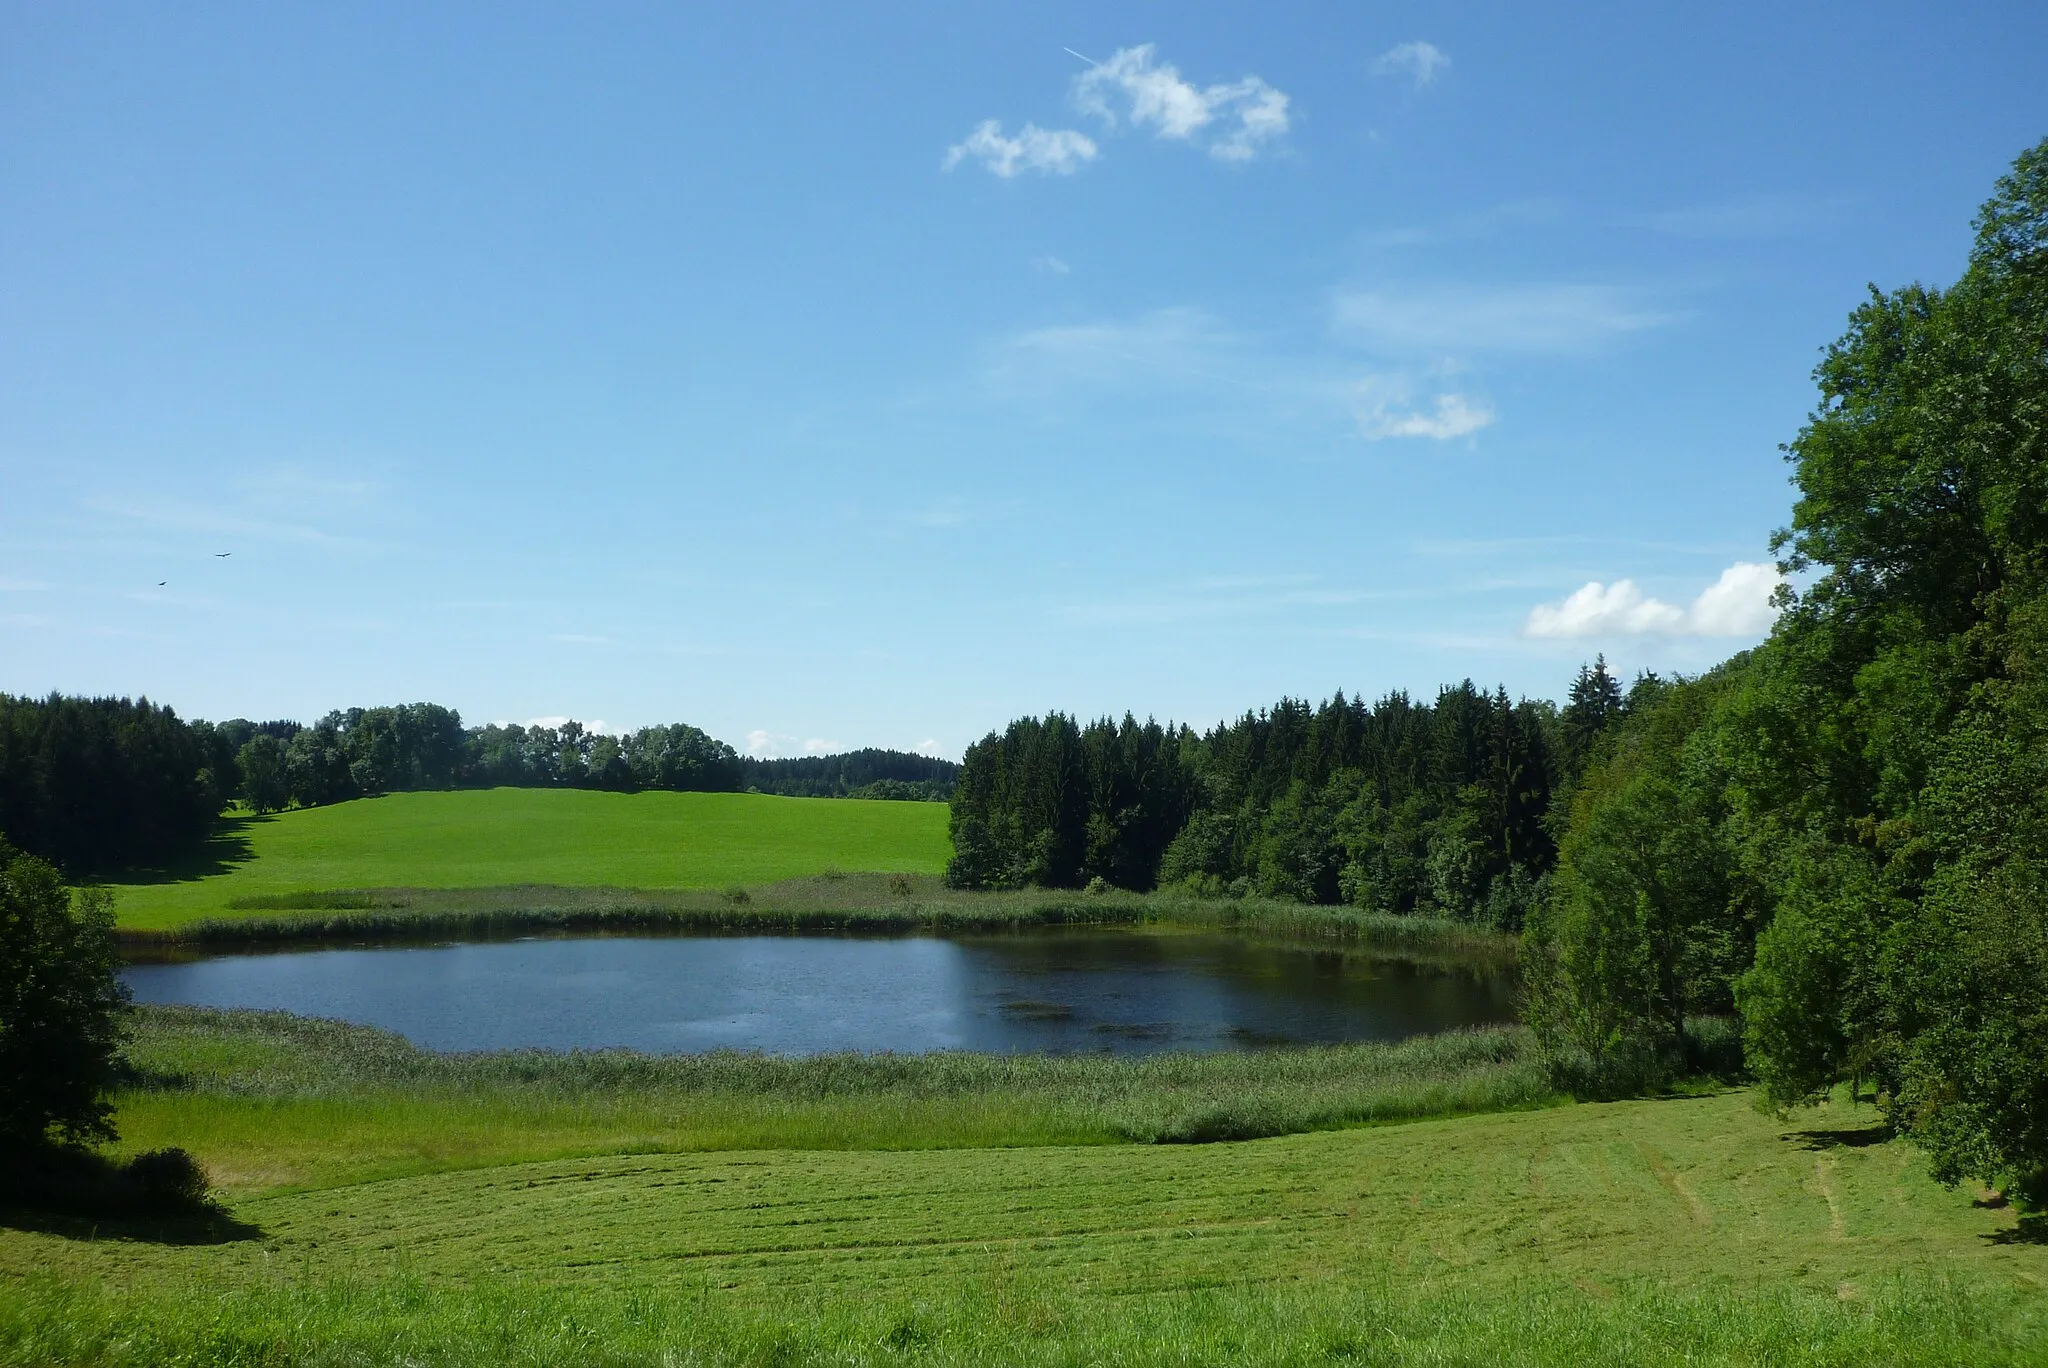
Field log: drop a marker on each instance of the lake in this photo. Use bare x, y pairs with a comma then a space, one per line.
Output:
1056, 990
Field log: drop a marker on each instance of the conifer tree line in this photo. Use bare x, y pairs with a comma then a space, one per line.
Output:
865, 773
1399, 806
100, 784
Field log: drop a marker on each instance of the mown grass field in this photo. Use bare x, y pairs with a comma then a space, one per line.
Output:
567, 837
1431, 1202
1690, 1229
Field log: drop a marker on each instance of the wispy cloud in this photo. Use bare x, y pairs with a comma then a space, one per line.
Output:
1189, 351
1418, 62
947, 512
1386, 409
1235, 120
1048, 151
184, 518
1737, 604
20, 586
284, 504
1227, 597
1534, 318
1762, 217
1173, 344
1049, 265
1517, 215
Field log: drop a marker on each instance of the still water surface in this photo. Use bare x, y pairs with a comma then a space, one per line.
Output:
1056, 991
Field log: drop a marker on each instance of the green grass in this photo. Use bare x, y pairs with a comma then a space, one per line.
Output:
1690, 1229
866, 903
270, 1101
573, 838
1427, 1202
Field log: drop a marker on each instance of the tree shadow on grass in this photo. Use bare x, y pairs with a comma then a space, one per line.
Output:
1861, 1137
211, 1227
227, 847
2032, 1229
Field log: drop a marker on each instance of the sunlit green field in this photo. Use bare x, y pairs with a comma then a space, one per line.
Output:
1686, 1230
543, 836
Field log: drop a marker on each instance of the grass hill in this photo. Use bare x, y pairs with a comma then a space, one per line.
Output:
567, 837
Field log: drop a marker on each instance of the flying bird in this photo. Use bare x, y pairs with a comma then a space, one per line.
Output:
161, 583
222, 555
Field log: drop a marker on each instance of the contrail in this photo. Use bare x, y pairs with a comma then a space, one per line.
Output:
1084, 57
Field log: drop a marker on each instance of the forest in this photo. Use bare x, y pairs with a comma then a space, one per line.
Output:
1443, 808
102, 784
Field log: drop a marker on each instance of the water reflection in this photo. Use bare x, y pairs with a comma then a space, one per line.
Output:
1056, 991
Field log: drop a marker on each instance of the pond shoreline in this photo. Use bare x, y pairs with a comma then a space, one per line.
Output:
860, 904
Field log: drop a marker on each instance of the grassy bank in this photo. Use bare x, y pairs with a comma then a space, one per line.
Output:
566, 837
863, 903
1690, 1230
270, 1101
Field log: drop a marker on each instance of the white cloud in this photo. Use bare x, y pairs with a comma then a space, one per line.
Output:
1736, 604
1604, 610
1419, 62
1049, 151
1452, 415
593, 728
1134, 88
1050, 265
928, 746
1542, 318
770, 745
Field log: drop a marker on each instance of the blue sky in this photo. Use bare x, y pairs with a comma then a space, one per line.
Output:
832, 376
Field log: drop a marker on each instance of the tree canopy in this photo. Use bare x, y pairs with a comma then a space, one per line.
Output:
60, 1003
1845, 832
1397, 806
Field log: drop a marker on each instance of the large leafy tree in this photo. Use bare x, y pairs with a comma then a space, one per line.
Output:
1873, 781
1913, 939
60, 1006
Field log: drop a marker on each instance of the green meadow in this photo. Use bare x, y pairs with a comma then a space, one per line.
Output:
563, 837
1428, 1202
623, 1209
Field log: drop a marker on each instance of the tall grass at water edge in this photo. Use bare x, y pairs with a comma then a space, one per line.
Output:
196, 1062
844, 903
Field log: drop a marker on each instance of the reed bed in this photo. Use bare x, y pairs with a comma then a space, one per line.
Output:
873, 904
288, 1100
